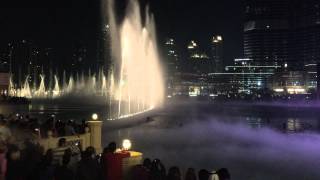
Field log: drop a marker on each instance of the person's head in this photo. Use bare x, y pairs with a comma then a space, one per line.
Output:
112, 147
147, 163
90, 151
223, 174
156, 165
70, 122
191, 174
203, 174
62, 142
174, 173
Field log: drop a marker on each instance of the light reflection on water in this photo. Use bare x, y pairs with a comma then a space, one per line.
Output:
289, 123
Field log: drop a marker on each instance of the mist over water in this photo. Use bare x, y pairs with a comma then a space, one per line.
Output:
206, 140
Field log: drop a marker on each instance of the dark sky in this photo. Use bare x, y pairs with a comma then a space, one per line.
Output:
200, 20
60, 24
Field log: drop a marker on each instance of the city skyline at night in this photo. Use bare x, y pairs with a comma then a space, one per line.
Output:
160, 90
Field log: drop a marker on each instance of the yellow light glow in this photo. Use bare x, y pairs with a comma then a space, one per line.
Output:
126, 144
279, 90
296, 90
94, 116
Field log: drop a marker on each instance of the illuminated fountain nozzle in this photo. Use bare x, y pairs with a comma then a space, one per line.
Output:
126, 144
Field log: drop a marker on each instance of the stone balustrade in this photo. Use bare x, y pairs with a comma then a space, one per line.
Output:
91, 137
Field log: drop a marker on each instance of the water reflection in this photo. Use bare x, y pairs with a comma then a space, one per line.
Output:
255, 122
294, 125
287, 124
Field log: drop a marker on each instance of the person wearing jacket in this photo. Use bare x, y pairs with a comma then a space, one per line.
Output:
113, 162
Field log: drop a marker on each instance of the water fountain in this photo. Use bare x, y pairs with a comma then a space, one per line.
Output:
56, 90
140, 85
134, 84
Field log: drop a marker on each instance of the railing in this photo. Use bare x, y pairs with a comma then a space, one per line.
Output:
91, 137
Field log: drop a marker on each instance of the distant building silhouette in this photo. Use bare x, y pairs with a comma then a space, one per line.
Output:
217, 53
282, 32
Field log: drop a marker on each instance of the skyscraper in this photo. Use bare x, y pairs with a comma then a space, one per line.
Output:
199, 62
172, 58
217, 54
172, 65
282, 32
306, 44
267, 31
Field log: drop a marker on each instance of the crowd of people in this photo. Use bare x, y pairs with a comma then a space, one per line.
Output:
29, 161
41, 127
4, 99
66, 163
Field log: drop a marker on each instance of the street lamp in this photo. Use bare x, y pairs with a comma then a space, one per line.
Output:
126, 144
94, 116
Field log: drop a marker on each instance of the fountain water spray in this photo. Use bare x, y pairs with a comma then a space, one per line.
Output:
140, 86
134, 84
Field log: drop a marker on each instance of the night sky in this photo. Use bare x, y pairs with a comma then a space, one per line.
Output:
62, 24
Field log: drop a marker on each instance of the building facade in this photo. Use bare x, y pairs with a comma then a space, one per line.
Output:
198, 61
306, 30
172, 65
266, 31
217, 54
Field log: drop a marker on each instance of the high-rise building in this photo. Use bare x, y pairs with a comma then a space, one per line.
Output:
217, 54
172, 58
267, 31
306, 27
199, 62
282, 32
172, 64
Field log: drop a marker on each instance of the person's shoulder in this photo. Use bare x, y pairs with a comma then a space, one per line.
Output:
107, 155
123, 154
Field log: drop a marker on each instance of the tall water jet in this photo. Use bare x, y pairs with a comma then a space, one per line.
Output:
41, 92
103, 85
70, 85
93, 84
140, 76
26, 92
11, 87
56, 90
64, 81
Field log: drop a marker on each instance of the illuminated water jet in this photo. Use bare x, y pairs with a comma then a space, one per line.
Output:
140, 86
134, 83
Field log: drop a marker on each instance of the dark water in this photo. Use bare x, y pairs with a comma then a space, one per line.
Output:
254, 141
260, 142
